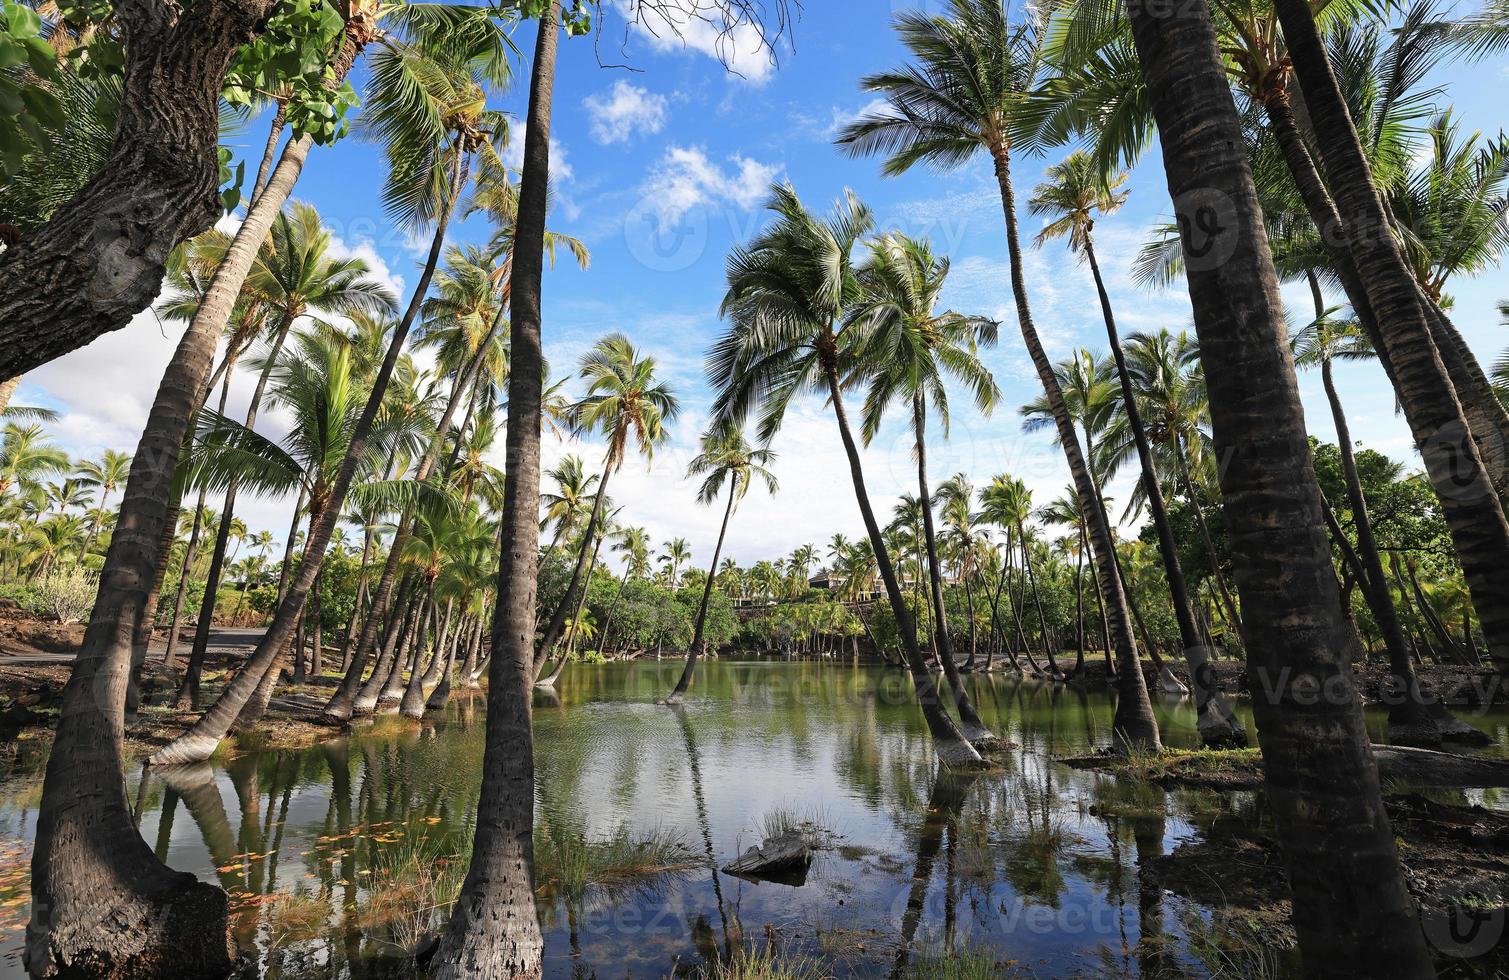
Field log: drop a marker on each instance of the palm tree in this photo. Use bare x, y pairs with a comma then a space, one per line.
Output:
624, 401
493, 929
571, 500
26, 456
678, 551
907, 355
788, 290
725, 458
107, 474
1331, 824
1073, 196
1407, 322
973, 69
1165, 372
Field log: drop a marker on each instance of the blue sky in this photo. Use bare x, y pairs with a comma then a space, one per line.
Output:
661, 166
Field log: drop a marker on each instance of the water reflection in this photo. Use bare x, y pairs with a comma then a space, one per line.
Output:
342, 858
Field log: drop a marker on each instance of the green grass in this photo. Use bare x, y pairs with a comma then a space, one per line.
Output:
969, 963
764, 963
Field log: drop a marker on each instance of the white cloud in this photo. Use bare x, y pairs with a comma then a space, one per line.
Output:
843, 117
624, 111
703, 26
685, 179
561, 173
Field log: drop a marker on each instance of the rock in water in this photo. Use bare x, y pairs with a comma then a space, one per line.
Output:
784, 858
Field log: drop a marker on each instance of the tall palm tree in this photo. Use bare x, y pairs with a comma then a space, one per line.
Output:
1327, 805
725, 458
571, 500
908, 353
972, 70
1165, 372
625, 402
1073, 196
787, 293
493, 930
106, 474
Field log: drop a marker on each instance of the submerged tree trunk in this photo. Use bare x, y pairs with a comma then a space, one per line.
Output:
493, 930
1351, 910
1134, 724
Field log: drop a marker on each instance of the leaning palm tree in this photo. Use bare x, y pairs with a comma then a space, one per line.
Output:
625, 402
787, 293
908, 353
1073, 196
963, 94
1327, 801
725, 458
294, 276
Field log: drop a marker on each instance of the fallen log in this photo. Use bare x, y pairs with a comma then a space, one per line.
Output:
778, 858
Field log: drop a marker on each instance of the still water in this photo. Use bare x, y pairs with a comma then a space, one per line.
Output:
340, 857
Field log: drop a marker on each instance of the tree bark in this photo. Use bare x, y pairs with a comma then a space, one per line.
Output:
493, 930
1133, 724
99, 260
1351, 910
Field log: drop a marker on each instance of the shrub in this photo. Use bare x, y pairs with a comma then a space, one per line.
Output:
68, 593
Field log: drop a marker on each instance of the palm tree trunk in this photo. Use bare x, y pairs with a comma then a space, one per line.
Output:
274, 131
493, 929
188, 693
1351, 910
100, 896
399, 622
361, 601
200, 741
1079, 603
953, 750
1218, 724
1476, 518
1482, 413
1037, 601
970, 724
695, 650
1133, 724
443, 638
